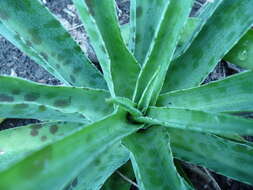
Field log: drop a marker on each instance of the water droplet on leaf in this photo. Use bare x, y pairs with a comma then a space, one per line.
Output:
243, 55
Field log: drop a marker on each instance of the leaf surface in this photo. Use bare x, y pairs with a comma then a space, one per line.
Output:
43, 34
162, 48
89, 102
225, 28
222, 156
66, 158
153, 161
242, 52
198, 121
233, 94
119, 66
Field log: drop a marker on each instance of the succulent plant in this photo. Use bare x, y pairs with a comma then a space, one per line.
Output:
147, 104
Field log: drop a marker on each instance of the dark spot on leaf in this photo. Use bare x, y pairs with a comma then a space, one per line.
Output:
77, 69
43, 138
138, 11
34, 132
63, 102
35, 36
6, 98
53, 129
15, 92
44, 55
42, 108
31, 96
75, 182
52, 24
4, 15
21, 106
72, 78
62, 37
91, 9
37, 126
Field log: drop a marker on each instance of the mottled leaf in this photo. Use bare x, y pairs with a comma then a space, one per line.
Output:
43, 34
89, 102
225, 28
55, 164
233, 94
198, 121
119, 66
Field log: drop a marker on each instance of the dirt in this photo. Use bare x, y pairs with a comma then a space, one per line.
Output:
13, 62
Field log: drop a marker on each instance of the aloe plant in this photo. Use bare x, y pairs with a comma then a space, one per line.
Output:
148, 104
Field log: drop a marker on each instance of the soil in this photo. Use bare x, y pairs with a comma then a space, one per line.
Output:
13, 62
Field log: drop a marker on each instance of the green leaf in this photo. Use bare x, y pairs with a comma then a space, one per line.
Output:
186, 35
162, 48
225, 28
40, 112
222, 156
89, 102
125, 104
16, 143
233, 94
55, 164
132, 26
145, 19
94, 175
198, 121
116, 181
153, 161
46, 37
119, 66
242, 52
15, 40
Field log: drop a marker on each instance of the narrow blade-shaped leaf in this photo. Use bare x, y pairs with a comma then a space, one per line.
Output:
198, 121
225, 28
222, 156
15, 40
63, 160
16, 143
153, 161
162, 48
50, 41
233, 94
148, 15
242, 52
40, 112
121, 68
196, 24
89, 102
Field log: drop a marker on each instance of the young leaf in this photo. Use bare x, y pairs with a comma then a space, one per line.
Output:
227, 25
42, 33
162, 48
89, 102
222, 156
145, 19
63, 160
242, 52
16, 143
153, 161
121, 68
17, 41
233, 94
198, 121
